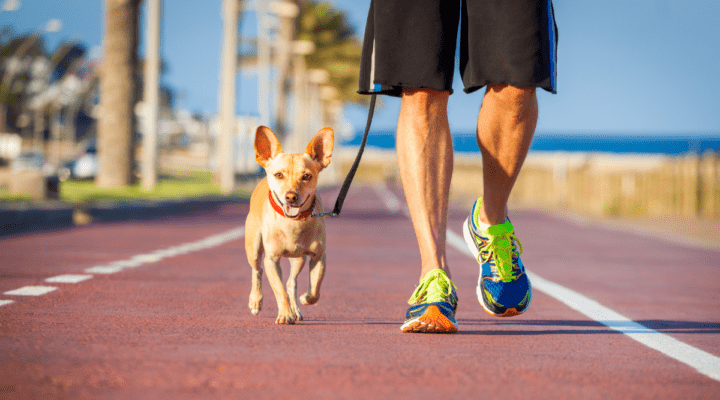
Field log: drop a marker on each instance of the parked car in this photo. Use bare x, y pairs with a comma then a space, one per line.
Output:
84, 166
28, 161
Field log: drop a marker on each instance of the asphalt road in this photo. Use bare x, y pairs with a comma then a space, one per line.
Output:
159, 310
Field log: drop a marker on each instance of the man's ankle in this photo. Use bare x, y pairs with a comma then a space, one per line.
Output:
487, 219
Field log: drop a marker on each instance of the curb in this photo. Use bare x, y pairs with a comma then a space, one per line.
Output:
28, 218
58, 215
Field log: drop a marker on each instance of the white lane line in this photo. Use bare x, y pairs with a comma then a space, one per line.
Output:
157, 255
133, 262
68, 278
149, 258
705, 363
391, 201
31, 291
103, 269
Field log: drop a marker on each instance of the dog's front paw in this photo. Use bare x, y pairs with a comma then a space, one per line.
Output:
307, 299
285, 320
255, 305
297, 314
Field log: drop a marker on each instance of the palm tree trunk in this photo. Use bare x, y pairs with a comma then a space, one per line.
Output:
3, 116
116, 127
287, 34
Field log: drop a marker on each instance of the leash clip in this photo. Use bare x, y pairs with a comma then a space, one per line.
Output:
326, 214
351, 174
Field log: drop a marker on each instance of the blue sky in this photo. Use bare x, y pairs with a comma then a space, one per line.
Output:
624, 66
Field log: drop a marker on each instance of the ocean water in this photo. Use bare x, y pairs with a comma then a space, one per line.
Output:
645, 143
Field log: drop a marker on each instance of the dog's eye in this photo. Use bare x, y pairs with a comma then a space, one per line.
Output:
279, 175
306, 177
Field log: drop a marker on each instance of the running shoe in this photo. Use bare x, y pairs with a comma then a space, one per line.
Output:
503, 289
432, 305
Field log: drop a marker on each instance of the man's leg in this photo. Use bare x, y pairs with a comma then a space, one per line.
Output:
425, 157
506, 125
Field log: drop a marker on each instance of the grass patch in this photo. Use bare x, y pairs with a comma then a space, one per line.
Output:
7, 197
194, 184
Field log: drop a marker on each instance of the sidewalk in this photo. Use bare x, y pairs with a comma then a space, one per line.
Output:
693, 231
18, 218
23, 218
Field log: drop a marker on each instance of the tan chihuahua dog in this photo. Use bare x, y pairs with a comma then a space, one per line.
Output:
279, 223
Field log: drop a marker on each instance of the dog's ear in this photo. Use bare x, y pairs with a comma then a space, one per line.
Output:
321, 146
266, 146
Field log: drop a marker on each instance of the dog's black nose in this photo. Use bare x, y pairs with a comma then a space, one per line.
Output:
291, 198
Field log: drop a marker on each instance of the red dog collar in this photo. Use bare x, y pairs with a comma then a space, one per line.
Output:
279, 210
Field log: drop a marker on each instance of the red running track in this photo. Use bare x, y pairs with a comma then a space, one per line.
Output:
179, 327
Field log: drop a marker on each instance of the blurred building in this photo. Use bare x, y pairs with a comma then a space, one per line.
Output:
50, 101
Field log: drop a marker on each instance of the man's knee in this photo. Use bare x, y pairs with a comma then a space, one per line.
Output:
511, 94
423, 97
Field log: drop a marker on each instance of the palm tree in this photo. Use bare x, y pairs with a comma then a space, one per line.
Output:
116, 126
286, 35
337, 48
13, 53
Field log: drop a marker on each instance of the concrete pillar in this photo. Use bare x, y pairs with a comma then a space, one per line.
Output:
228, 86
151, 95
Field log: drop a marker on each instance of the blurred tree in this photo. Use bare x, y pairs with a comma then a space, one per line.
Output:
283, 56
7, 99
337, 48
116, 125
20, 46
13, 52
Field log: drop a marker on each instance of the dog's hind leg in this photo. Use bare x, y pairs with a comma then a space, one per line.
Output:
254, 251
296, 265
317, 273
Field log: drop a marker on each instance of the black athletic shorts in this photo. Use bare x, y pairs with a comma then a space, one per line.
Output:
411, 43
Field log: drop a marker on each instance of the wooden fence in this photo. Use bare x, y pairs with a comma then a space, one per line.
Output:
590, 183
630, 185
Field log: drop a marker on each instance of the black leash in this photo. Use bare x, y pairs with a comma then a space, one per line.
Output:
351, 174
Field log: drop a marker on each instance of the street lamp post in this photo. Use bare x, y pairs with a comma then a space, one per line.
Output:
287, 12
263, 54
301, 48
151, 96
228, 86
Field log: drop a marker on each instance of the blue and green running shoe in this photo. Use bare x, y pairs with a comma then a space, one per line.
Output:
432, 305
503, 289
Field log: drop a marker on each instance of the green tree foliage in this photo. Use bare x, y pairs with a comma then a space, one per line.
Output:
17, 48
7, 96
22, 47
337, 48
28, 45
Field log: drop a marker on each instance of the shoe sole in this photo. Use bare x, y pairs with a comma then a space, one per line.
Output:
432, 321
510, 312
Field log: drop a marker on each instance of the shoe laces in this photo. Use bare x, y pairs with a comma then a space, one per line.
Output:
434, 288
501, 248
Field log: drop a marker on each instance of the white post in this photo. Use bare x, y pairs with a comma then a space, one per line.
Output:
151, 95
55, 129
300, 130
300, 95
263, 46
286, 12
228, 82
